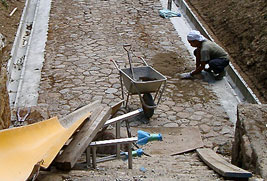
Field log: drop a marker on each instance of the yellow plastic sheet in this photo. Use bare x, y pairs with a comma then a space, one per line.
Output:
21, 148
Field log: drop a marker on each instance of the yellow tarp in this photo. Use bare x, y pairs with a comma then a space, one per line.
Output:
22, 147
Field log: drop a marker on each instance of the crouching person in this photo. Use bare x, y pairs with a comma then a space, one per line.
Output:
207, 52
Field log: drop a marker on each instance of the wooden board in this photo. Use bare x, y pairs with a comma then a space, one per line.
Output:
83, 138
220, 165
179, 140
116, 107
72, 117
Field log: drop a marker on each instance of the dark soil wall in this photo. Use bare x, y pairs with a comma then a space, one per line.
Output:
241, 26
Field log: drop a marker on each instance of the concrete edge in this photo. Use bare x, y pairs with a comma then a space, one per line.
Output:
17, 38
34, 56
26, 55
231, 71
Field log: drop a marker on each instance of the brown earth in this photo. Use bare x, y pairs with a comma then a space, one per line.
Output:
240, 26
8, 28
9, 24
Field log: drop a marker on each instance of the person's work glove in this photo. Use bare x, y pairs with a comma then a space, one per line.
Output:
186, 75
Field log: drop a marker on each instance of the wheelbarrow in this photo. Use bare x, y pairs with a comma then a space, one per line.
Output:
142, 81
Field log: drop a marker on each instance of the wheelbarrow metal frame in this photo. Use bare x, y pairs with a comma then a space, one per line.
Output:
135, 86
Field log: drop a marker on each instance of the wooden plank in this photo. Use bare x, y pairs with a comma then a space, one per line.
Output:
72, 117
220, 165
124, 117
115, 108
80, 142
66, 160
114, 141
179, 140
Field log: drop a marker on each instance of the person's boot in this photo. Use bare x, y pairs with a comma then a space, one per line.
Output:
220, 75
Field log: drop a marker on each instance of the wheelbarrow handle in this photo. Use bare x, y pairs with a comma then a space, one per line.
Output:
115, 63
129, 57
127, 47
143, 61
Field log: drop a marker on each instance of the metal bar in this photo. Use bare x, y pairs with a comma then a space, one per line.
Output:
106, 158
169, 4
143, 61
164, 86
118, 135
88, 156
124, 117
113, 142
127, 100
122, 91
130, 156
94, 157
129, 57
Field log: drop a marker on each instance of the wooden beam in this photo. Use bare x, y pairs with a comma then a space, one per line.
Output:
221, 166
115, 108
72, 117
83, 138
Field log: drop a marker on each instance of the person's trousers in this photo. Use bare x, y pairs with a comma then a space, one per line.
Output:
218, 65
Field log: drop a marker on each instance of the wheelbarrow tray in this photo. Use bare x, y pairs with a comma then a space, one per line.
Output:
146, 80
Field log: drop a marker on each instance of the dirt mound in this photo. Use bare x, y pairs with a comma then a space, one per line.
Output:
241, 27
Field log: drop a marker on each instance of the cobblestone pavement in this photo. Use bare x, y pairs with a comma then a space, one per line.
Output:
83, 36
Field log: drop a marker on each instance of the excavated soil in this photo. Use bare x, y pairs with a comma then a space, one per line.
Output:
9, 24
241, 28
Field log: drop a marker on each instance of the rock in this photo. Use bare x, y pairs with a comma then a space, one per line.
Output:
249, 148
111, 90
205, 128
2, 42
225, 130
171, 125
224, 149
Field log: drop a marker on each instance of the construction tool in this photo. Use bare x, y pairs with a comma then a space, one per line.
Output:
20, 120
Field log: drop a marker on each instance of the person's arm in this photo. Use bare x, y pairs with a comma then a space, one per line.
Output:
198, 56
199, 68
203, 56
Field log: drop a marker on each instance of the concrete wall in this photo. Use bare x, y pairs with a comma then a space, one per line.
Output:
249, 148
4, 99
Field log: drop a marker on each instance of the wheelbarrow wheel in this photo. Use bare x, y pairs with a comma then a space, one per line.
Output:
148, 99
